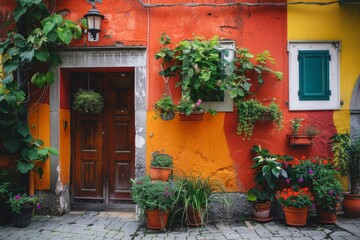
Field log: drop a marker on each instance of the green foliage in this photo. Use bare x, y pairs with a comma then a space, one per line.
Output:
250, 111
296, 125
21, 50
198, 192
22, 201
152, 195
188, 106
8, 184
268, 169
327, 190
161, 160
164, 106
88, 101
347, 155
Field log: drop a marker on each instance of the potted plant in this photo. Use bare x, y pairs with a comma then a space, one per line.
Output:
327, 193
8, 186
189, 110
297, 139
88, 101
268, 169
22, 207
165, 108
160, 166
251, 111
198, 196
295, 202
347, 155
155, 199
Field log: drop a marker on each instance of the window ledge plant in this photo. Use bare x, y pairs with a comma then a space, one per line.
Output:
165, 108
301, 139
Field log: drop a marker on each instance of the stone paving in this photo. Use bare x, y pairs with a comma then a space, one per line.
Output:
123, 225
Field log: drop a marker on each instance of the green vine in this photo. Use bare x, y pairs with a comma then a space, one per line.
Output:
250, 111
37, 33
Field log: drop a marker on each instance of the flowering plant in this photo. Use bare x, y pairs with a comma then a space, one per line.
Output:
188, 106
23, 201
152, 195
295, 197
327, 190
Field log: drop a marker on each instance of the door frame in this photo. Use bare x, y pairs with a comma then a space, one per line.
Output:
96, 59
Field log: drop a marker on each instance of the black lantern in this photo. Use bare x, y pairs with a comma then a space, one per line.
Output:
93, 18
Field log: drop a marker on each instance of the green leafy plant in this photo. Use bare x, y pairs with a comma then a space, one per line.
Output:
295, 197
296, 125
88, 101
8, 184
23, 201
23, 50
161, 160
250, 111
164, 106
188, 106
152, 195
198, 193
327, 190
268, 168
347, 155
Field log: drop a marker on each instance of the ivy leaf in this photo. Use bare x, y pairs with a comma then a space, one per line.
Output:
19, 40
233, 93
13, 51
23, 129
42, 55
27, 55
52, 150
8, 79
24, 167
64, 35
18, 12
50, 77
49, 26
12, 143
10, 67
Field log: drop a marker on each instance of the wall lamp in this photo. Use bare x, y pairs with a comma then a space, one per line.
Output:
93, 18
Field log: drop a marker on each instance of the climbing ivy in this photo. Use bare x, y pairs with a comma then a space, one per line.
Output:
32, 41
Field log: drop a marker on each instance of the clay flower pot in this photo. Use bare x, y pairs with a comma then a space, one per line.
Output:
351, 205
296, 216
157, 219
193, 217
159, 173
195, 116
261, 211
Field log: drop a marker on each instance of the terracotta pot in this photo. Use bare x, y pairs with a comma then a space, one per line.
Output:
261, 210
326, 217
192, 117
351, 205
193, 217
295, 216
159, 173
23, 218
157, 219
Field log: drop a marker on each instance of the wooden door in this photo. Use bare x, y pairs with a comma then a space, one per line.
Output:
103, 144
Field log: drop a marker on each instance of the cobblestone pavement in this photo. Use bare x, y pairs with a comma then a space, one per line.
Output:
123, 225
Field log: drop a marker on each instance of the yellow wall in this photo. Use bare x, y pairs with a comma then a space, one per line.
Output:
182, 139
332, 22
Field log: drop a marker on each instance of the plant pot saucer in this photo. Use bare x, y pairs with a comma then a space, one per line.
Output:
262, 219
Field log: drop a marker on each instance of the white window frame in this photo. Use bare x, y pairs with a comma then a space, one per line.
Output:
333, 103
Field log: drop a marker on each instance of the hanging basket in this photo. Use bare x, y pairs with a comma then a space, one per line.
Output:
88, 101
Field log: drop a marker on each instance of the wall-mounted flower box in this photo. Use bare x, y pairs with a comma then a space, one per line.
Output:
300, 139
195, 116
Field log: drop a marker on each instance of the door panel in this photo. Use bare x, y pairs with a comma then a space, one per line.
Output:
103, 159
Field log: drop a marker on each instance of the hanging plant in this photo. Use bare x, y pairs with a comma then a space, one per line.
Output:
251, 111
88, 101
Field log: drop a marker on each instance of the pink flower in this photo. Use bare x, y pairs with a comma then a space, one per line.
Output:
17, 197
331, 192
300, 180
310, 171
287, 181
38, 206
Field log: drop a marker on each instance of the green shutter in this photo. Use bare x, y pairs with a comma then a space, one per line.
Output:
314, 75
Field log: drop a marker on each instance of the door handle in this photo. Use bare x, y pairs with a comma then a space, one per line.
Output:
102, 133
